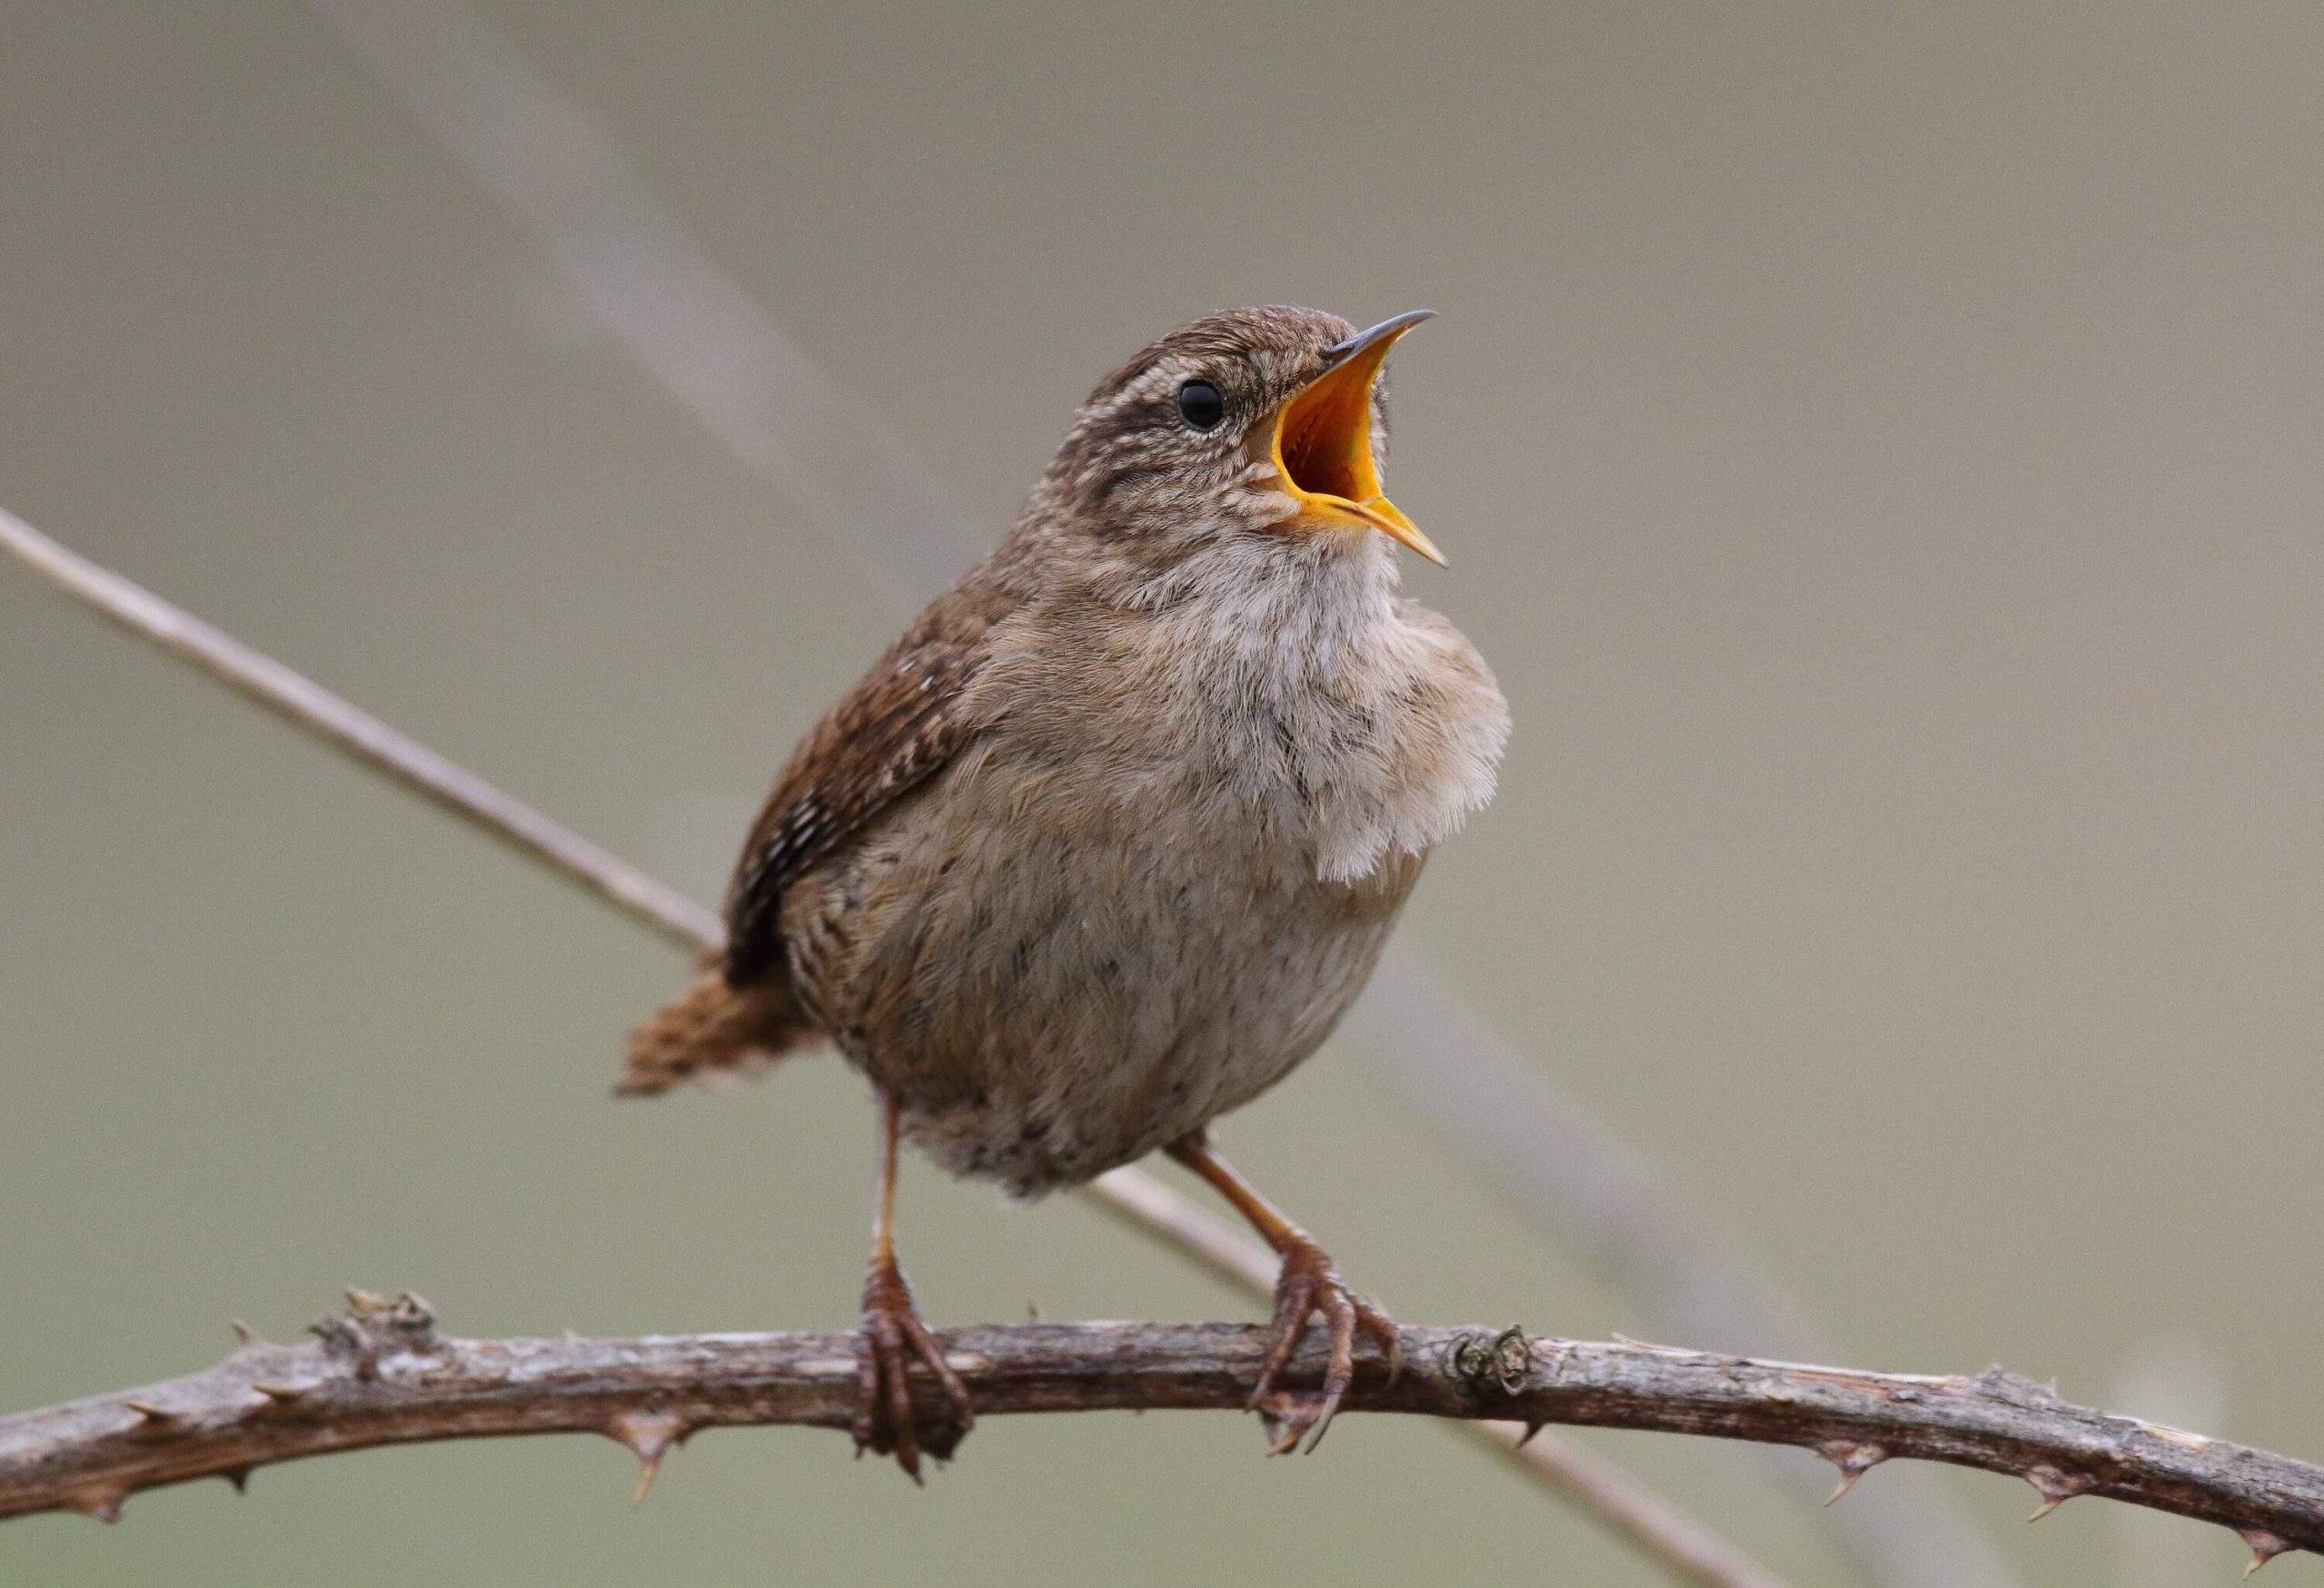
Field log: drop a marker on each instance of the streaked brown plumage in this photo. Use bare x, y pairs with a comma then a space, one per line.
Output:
1106, 843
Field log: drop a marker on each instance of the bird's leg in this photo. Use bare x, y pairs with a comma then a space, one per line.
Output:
1308, 1285
893, 1336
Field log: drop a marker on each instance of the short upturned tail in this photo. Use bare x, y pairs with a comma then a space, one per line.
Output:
712, 1030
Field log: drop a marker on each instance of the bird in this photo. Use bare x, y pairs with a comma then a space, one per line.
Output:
1104, 845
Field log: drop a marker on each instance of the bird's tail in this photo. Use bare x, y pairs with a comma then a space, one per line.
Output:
710, 1031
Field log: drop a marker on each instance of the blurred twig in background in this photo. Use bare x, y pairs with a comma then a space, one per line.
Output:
1593, 1485
697, 334
381, 1376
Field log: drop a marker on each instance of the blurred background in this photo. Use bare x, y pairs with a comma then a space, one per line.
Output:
1877, 448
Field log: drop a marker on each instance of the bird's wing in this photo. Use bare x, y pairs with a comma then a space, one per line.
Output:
893, 732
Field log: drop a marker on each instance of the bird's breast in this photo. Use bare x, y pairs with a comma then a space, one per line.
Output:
1053, 990
1147, 890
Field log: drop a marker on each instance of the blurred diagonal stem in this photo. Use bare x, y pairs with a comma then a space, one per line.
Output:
1596, 1487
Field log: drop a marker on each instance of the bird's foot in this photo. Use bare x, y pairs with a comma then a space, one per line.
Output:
1308, 1286
893, 1337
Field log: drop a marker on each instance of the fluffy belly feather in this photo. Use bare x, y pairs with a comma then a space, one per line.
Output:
1050, 999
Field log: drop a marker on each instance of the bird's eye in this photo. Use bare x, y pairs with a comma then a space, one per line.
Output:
1200, 405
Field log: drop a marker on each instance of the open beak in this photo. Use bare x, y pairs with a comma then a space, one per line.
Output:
1320, 441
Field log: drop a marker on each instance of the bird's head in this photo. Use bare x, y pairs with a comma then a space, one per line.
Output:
1262, 428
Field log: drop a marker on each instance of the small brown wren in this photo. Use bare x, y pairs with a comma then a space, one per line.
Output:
1107, 843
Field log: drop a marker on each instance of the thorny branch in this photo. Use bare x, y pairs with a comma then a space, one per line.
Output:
380, 1374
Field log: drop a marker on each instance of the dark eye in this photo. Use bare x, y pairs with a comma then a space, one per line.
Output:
1200, 405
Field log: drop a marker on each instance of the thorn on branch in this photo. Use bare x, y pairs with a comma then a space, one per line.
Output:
105, 1505
244, 1334
152, 1419
1854, 1458
2265, 1547
2057, 1488
649, 1436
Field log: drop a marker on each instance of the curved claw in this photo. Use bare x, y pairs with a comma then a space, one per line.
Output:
1309, 1286
892, 1338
